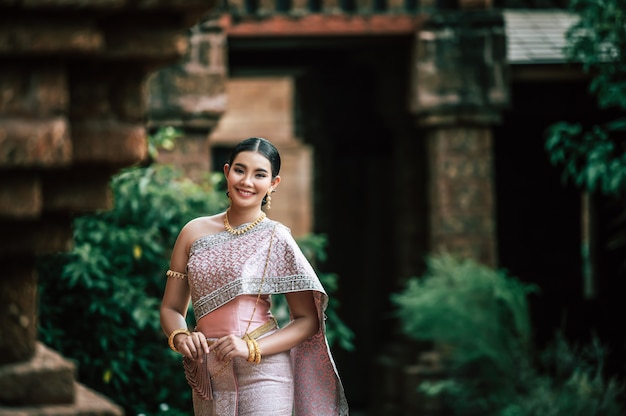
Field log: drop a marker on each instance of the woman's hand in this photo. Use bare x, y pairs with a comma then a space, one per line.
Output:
229, 347
193, 346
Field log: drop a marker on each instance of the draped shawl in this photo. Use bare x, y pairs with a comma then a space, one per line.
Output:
222, 266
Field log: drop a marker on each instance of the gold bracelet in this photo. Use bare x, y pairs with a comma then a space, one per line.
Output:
170, 339
257, 353
251, 350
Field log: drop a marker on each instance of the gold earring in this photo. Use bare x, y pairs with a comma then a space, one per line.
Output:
268, 199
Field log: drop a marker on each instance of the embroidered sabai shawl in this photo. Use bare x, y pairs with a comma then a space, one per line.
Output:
222, 266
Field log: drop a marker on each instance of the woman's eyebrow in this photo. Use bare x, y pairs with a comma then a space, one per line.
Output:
242, 165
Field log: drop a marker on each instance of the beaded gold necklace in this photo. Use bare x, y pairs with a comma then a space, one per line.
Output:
244, 229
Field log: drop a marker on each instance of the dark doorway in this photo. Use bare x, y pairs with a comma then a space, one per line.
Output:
351, 107
539, 221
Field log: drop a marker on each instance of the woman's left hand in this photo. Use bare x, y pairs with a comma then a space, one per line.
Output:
229, 347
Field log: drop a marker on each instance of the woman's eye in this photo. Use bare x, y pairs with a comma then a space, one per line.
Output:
237, 170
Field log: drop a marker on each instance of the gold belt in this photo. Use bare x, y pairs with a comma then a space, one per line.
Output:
262, 330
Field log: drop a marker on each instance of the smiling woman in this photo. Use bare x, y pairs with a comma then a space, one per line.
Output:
237, 360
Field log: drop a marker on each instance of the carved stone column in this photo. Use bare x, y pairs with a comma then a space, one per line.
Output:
191, 96
72, 112
460, 85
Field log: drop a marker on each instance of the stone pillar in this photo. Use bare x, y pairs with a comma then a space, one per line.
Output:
18, 317
459, 80
459, 86
72, 113
191, 96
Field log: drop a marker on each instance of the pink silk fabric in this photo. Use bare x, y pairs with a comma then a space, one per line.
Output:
240, 388
223, 268
233, 317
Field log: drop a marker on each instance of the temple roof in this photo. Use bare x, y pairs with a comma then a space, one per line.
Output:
537, 36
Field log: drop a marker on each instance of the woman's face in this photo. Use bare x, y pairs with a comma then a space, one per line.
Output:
249, 178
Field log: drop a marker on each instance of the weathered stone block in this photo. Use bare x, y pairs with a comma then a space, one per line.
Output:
78, 190
36, 237
87, 403
41, 36
460, 63
46, 378
464, 141
33, 91
20, 195
192, 94
35, 143
464, 198
18, 323
481, 248
109, 142
175, 93
90, 91
415, 400
73, 4
142, 43
128, 97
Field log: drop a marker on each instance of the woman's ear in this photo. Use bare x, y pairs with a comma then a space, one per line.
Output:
226, 169
275, 182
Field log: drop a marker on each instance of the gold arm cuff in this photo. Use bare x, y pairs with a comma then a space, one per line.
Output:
177, 275
170, 339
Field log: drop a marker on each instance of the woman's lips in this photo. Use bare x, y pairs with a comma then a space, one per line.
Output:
244, 192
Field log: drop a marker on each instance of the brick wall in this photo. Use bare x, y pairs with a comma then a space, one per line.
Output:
264, 106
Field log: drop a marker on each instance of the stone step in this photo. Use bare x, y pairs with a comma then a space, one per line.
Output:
46, 378
88, 403
46, 385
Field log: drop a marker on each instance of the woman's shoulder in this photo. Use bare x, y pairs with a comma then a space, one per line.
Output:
283, 234
202, 226
281, 229
212, 221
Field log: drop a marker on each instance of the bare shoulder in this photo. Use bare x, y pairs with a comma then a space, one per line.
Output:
201, 227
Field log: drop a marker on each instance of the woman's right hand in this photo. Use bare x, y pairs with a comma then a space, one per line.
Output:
192, 346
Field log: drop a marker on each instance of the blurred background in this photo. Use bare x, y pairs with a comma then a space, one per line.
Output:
454, 169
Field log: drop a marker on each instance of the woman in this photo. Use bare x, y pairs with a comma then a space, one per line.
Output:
237, 361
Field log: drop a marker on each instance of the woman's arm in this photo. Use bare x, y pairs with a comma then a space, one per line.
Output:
176, 301
305, 324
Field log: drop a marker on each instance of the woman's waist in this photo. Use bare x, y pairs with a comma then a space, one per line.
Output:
254, 329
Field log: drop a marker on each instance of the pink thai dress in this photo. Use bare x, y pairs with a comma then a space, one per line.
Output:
226, 273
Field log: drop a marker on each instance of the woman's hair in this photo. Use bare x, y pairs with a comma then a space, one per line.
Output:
259, 145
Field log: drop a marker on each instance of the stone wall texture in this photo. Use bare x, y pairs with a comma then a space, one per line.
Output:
73, 110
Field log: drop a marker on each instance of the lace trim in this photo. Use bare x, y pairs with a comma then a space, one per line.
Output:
238, 287
224, 236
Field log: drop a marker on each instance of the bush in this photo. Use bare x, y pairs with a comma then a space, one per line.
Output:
478, 319
99, 303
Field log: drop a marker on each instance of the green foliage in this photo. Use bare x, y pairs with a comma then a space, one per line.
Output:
164, 138
478, 320
598, 41
572, 385
592, 158
99, 303
595, 157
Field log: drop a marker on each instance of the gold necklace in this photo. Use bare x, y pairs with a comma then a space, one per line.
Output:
246, 228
